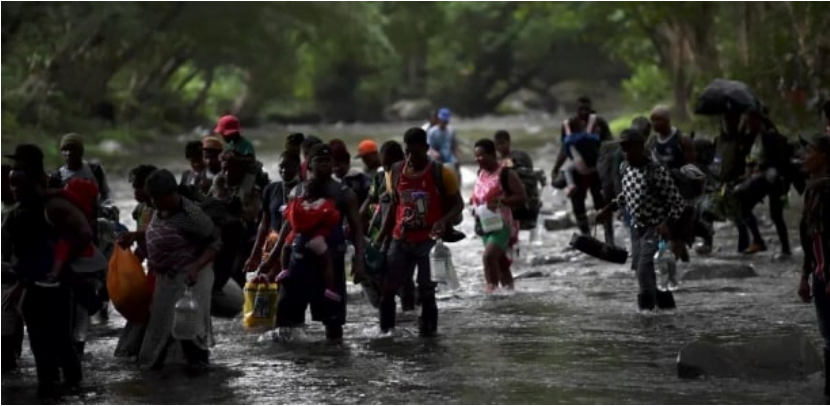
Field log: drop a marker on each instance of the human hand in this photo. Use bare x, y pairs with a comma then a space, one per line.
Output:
663, 230
493, 204
603, 215
438, 229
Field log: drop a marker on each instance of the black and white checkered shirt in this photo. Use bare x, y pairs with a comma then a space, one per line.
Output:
649, 194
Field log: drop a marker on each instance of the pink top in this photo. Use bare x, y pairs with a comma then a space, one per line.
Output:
488, 186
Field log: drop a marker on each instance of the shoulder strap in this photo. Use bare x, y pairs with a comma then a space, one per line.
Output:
98, 172
438, 177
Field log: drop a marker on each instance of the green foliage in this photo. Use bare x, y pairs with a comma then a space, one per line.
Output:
646, 87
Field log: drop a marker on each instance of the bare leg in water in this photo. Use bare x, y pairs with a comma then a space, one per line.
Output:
492, 266
320, 248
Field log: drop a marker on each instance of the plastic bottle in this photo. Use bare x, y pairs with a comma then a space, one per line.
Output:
184, 317
443, 271
666, 266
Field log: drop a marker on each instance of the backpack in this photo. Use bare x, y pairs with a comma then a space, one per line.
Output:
438, 179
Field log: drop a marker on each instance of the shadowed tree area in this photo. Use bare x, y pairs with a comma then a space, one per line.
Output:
166, 65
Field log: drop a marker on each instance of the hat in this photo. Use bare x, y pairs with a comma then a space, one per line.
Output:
212, 143
27, 153
71, 139
444, 114
366, 147
819, 142
227, 125
632, 135
319, 150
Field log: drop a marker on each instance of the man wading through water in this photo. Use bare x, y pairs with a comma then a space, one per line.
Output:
672, 149
305, 286
34, 229
421, 212
815, 240
588, 123
655, 204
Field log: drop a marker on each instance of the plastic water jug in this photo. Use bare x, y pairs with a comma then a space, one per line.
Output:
666, 266
490, 220
184, 317
443, 270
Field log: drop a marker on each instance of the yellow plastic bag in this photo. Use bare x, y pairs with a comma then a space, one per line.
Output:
129, 288
260, 309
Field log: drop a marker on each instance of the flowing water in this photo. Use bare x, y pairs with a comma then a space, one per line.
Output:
571, 336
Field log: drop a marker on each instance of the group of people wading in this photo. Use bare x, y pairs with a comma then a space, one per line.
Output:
223, 217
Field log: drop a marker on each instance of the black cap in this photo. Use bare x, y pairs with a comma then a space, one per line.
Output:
819, 142
26, 153
632, 135
319, 150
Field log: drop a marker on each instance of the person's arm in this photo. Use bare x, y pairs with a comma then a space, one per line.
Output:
388, 221
518, 194
451, 189
261, 236
276, 252
689, 153
670, 193
561, 157
73, 223
358, 237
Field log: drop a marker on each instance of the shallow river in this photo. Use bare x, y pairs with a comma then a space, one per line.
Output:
571, 336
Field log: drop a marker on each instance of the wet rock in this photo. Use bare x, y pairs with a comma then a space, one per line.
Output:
559, 222
409, 110
546, 260
706, 359
530, 274
784, 357
718, 270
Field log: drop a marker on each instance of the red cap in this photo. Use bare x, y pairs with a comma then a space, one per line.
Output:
367, 147
227, 125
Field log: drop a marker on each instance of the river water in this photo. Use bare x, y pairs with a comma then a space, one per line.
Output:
571, 336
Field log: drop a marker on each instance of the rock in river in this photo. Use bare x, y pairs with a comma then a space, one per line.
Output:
542, 260
718, 270
559, 222
784, 357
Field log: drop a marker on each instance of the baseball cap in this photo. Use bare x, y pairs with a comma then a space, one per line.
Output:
26, 152
366, 147
212, 143
227, 125
819, 142
444, 114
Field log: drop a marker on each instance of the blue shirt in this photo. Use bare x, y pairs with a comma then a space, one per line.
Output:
442, 140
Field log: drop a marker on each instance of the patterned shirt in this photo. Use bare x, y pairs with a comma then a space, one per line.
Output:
174, 241
649, 194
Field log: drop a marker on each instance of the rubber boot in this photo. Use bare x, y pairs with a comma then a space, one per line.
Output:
334, 332
428, 322
665, 300
645, 301
387, 315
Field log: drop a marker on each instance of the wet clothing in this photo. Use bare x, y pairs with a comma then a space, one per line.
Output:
650, 195
274, 200
583, 150
359, 182
306, 285
442, 140
402, 259
175, 241
89, 171
815, 240
668, 151
240, 145
644, 242
420, 205
487, 187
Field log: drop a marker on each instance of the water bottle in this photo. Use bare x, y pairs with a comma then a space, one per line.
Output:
665, 266
443, 271
184, 317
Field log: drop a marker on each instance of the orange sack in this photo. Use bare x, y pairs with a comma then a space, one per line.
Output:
130, 290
